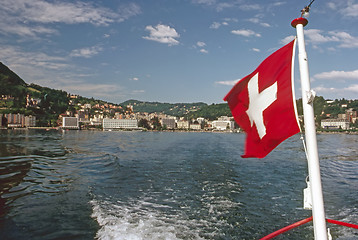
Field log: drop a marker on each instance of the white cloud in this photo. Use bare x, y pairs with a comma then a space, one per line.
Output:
346, 40
287, 39
254, 20
331, 5
225, 22
30, 18
65, 12
255, 49
204, 51
337, 75
92, 89
215, 25
201, 44
204, 2
134, 79
321, 90
250, 7
228, 83
19, 58
86, 52
265, 24
221, 6
351, 10
54, 72
245, 33
276, 4
318, 37
163, 34
257, 20
352, 88
347, 92
217, 5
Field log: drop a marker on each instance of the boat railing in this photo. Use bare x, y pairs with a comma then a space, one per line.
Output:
304, 221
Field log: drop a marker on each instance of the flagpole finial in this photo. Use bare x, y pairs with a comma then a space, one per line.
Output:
300, 20
305, 11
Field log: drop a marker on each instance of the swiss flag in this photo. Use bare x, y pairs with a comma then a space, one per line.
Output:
263, 103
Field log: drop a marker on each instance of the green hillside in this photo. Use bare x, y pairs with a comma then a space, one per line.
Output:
174, 109
12, 84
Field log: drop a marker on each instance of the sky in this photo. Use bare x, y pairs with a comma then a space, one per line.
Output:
173, 51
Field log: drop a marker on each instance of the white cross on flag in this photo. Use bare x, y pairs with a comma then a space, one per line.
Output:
263, 103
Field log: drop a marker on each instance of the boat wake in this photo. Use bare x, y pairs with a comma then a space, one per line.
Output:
141, 220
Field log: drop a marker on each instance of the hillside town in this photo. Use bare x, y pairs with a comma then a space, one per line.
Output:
109, 117
130, 120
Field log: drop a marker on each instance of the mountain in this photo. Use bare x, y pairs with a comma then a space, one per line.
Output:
8, 78
189, 110
12, 84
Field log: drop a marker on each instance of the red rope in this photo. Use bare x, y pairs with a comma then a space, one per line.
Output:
287, 228
342, 223
299, 223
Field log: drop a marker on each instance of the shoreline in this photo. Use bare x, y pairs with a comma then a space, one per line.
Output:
173, 130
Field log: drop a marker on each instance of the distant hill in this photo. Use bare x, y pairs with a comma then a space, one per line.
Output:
189, 110
211, 112
174, 109
8, 78
12, 84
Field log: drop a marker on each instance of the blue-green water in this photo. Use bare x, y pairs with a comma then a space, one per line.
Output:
162, 185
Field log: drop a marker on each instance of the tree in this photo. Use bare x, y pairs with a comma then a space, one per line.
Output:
144, 123
156, 123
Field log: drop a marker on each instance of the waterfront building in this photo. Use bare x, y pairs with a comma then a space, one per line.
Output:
351, 115
109, 124
70, 123
168, 122
183, 124
335, 123
17, 120
195, 126
224, 123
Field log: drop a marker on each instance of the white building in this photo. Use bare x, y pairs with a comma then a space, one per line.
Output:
119, 124
70, 123
224, 123
335, 124
183, 124
195, 126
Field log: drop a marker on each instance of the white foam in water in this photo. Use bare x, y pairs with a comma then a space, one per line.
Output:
346, 233
137, 222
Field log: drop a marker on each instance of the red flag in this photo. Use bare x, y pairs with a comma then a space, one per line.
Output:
263, 103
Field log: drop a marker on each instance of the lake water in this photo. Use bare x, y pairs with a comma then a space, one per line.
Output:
166, 185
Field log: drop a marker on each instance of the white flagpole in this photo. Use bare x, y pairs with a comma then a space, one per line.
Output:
318, 213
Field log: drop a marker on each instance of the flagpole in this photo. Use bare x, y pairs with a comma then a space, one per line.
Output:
318, 213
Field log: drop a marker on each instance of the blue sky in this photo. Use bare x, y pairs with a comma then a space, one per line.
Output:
173, 50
